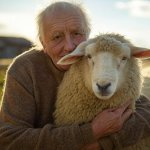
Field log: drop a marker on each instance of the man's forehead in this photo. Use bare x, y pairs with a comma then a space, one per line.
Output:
74, 20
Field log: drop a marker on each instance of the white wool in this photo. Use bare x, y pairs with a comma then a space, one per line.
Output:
106, 76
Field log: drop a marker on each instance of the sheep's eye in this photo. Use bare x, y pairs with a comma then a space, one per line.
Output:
124, 58
89, 56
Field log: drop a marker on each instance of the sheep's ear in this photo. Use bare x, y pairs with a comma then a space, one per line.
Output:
75, 55
140, 52
69, 59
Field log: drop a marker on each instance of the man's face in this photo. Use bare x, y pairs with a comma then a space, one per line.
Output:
62, 32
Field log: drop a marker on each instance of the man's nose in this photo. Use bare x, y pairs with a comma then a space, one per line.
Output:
69, 44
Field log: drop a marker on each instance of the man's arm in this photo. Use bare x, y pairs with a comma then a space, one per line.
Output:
137, 127
17, 124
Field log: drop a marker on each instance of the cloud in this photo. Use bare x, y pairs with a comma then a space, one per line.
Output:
138, 8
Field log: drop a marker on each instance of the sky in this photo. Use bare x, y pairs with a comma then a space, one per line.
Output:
130, 18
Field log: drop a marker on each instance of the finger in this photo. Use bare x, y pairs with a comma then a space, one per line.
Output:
111, 109
126, 104
126, 114
123, 108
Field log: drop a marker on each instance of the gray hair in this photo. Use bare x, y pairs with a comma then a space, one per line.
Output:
67, 6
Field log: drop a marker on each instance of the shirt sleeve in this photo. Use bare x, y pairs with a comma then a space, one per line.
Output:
136, 128
17, 130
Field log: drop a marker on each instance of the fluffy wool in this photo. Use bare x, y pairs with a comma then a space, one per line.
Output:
146, 75
76, 102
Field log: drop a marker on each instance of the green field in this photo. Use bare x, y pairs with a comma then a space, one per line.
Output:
2, 75
3, 66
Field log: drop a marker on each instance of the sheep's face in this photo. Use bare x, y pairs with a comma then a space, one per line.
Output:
107, 67
108, 59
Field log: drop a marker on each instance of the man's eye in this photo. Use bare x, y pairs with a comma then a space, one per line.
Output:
77, 33
56, 37
89, 56
124, 58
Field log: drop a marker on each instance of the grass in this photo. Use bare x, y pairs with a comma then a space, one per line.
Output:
3, 66
2, 76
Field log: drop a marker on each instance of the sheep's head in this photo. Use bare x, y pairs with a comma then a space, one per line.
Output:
107, 60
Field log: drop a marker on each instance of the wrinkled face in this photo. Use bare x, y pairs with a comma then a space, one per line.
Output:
107, 71
62, 32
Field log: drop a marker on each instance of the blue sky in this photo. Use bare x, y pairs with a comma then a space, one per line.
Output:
128, 17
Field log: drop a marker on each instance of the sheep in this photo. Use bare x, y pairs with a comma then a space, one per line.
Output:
104, 74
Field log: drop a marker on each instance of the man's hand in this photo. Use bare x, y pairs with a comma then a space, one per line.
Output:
110, 121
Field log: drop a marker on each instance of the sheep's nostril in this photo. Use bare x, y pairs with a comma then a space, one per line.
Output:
103, 88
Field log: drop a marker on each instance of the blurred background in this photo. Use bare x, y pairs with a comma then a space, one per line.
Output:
18, 31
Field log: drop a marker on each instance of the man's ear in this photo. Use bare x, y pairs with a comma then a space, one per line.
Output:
42, 43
